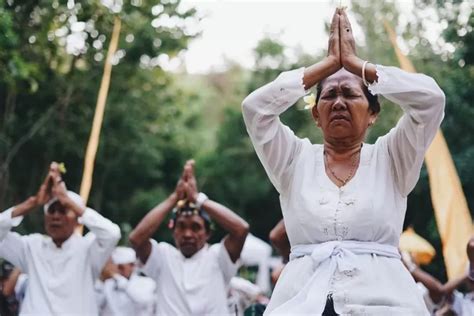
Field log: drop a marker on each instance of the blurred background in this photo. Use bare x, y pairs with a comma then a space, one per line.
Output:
180, 73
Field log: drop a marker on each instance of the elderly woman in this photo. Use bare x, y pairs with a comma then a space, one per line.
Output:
344, 201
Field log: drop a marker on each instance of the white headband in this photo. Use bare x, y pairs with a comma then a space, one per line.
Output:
76, 198
123, 255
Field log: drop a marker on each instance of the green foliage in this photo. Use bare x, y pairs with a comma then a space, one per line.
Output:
48, 98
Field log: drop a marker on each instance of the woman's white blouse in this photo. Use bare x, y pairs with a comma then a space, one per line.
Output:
369, 208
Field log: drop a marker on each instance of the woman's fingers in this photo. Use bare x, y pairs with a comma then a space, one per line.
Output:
334, 51
345, 23
335, 22
348, 48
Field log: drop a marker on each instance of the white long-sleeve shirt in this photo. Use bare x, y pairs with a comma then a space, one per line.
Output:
369, 208
60, 280
121, 296
190, 286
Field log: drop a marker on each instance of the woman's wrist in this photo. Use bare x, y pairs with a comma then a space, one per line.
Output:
333, 63
319, 71
353, 64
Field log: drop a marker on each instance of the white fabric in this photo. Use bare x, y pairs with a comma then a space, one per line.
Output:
329, 256
72, 195
190, 286
463, 305
242, 294
60, 280
123, 255
369, 208
20, 288
430, 305
258, 252
135, 296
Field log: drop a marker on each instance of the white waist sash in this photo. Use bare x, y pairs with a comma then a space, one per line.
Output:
327, 257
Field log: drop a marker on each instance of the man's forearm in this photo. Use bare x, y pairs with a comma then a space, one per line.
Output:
228, 220
451, 285
232, 223
10, 283
434, 287
150, 223
25, 207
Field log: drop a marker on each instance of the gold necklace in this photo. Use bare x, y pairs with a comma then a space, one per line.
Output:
353, 167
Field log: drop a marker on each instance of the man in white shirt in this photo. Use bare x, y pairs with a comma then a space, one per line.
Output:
193, 278
127, 293
62, 265
441, 298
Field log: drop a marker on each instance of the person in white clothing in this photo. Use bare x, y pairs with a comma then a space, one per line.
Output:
344, 201
126, 292
9, 301
243, 294
62, 265
438, 296
463, 304
15, 285
193, 278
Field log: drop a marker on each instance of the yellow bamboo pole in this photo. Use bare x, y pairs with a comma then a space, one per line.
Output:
449, 202
93, 144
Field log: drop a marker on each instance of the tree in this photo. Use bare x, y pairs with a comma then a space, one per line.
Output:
51, 60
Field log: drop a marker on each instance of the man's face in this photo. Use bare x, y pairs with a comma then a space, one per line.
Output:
59, 223
190, 234
126, 269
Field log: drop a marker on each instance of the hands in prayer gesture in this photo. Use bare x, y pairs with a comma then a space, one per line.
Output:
341, 45
186, 189
341, 54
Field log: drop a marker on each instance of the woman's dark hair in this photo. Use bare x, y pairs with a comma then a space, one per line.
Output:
374, 104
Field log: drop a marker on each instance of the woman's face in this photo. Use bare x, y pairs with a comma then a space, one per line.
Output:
343, 111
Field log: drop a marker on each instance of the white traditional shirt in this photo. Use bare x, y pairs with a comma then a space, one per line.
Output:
121, 296
190, 286
369, 209
242, 294
20, 288
463, 304
60, 280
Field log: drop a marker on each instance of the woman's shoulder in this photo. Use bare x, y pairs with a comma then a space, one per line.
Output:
309, 149
380, 147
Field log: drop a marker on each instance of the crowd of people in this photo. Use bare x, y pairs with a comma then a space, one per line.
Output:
343, 204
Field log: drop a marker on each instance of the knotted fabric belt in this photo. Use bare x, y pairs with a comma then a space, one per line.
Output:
327, 257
